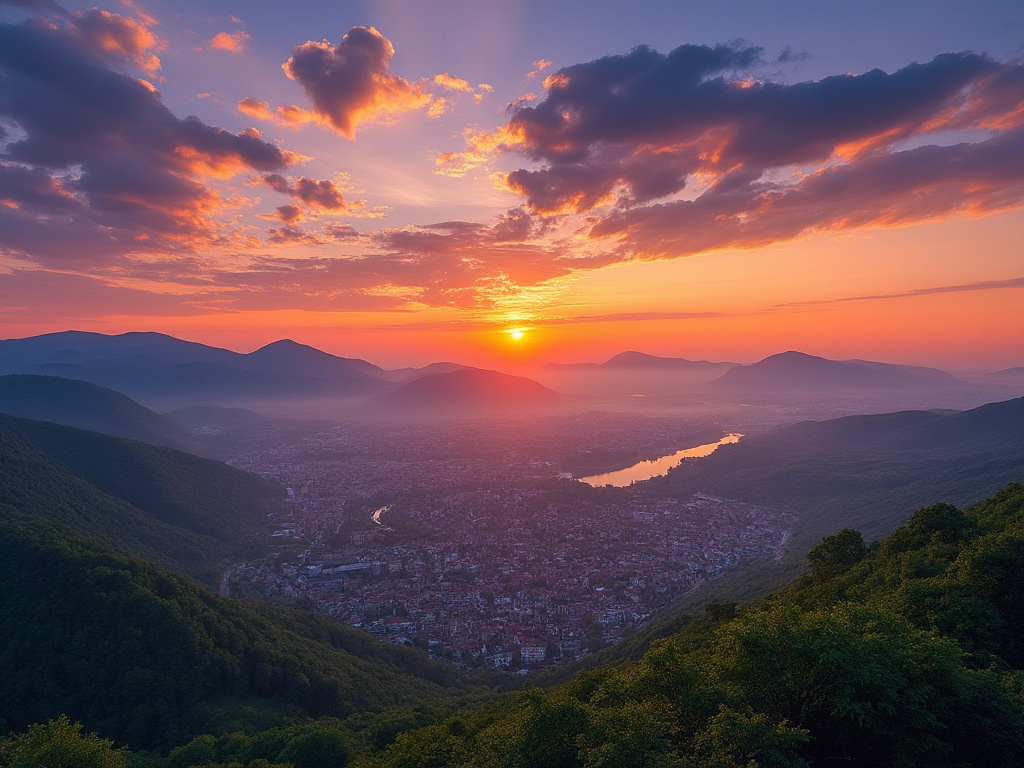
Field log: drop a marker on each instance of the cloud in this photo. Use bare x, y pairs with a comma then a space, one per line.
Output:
927, 183
987, 285
46, 5
452, 83
95, 164
118, 35
349, 83
55, 296
322, 196
233, 42
660, 156
538, 66
289, 214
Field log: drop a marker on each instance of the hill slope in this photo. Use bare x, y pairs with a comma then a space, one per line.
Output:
150, 659
86, 406
178, 509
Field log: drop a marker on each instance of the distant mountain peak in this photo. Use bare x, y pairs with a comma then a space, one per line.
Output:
794, 370
287, 344
470, 388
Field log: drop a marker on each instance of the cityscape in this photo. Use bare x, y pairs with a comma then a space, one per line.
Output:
508, 564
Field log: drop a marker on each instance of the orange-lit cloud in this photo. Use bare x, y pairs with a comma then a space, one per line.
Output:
452, 83
680, 153
233, 42
349, 83
289, 115
97, 160
538, 66
113, 34
987, 285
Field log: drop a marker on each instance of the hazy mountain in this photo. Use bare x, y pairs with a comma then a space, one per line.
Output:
1010, 373
303, 360
181, 510
155, 368
796, 371
408, 374
77, 347
643, 362
469, 388
991, 427
81, 404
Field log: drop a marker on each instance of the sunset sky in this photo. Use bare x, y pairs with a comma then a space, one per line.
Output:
410, 181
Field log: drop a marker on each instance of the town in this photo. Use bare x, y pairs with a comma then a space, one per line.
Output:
503, 563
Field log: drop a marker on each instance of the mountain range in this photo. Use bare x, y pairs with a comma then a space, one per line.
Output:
180, 510
164, 372
159, 369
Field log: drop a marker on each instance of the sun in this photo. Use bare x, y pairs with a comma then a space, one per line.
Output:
517, 334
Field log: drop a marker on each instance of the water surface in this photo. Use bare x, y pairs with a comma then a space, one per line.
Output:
645, 470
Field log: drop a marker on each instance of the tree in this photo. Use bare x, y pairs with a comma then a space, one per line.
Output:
317, 749
60, 744
837, 554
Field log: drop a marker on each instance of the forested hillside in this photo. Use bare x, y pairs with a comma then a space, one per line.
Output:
151, 659
180, 510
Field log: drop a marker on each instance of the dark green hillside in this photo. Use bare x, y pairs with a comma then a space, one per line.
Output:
904, 654
87, 406
181, 510
151, 659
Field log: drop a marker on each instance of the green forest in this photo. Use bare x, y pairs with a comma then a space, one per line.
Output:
903, 652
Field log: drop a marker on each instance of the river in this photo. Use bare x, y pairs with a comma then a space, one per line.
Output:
645, 470
376, 518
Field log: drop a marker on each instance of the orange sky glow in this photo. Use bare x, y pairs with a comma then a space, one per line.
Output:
513, 199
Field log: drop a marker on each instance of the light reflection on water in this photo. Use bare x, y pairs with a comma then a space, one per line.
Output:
645, 470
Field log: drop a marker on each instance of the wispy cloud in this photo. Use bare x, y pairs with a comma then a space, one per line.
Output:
232, 42
987, 285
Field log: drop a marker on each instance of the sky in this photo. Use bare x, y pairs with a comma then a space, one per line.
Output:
509, 184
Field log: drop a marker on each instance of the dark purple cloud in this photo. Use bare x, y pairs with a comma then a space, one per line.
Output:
323, 196
639, 126
349, 83
125, 174
678, 153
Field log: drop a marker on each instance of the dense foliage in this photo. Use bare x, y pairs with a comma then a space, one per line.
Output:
180, 510
151, 659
